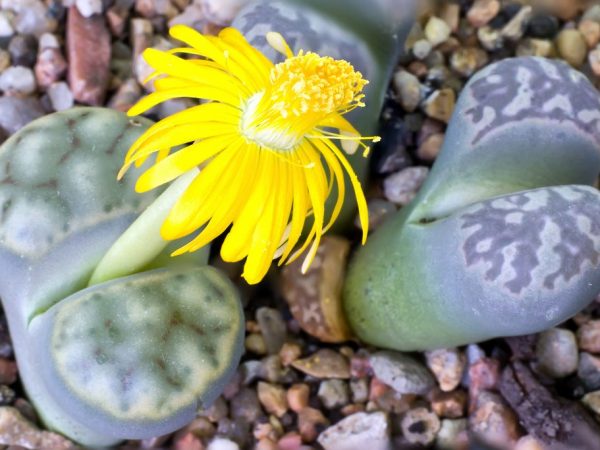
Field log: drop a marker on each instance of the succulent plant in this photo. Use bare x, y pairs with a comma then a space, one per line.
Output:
129, 357
504, 237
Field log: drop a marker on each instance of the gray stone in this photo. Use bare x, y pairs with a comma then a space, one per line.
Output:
60, 95
401, 187
449, 435
588, 370
272, 327
515, 28
421, 48
402, 373
409, 90
17, 112
6, 26
359, 388
556, 352
17, 80
490, 38
358, 431
23, 50
246, 405
333, 393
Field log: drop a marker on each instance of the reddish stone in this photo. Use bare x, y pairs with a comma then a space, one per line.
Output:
88, 50
8, 371
484, 374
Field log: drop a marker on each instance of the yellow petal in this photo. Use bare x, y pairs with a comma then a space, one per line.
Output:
180, 162
194, 39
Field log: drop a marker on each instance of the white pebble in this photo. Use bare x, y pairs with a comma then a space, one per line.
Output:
48, 40
6, 26
222, 444
60, 96
437, 31
88, 8
17, 80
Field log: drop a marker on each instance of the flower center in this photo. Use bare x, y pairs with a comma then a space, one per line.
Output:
304, 90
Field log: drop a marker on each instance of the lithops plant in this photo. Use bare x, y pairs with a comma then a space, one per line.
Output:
130, 357
504, 237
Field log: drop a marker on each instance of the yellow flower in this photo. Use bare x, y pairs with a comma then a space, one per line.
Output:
263, 141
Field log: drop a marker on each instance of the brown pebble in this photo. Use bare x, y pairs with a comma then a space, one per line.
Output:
88, 49
266, 444
126, 96
309, 422
449, 404
590, 30
482, 11
273, 398
528, 442
117, 16
315, 298
563, 9
418, 69
588, 336
290, 352
297, 396
265, 431
8, 371
256, 344
187, 441
450, 13
447, 365
430, 147
571, 47
325, 363
440, 104
493, 421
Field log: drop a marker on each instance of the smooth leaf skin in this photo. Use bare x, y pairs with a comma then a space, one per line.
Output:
140, 354
368, 34
417, 284
62, 209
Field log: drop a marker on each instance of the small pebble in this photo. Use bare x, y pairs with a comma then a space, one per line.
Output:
592, 401
359, 390
535, 47
6, 26
588, 371
402, 373
325, 363
556, 352
429, 149
447, 365
408, 88
484, 373
482, 11
60, 95
590, 30
449, 404
88, 8
273, 398
437, 31
333, 393
420, 426
588, 336
572, 47
450, 13
17, 112
401, 187
594, 60
50, 66
452, 435
440, 104
221, 12
421, 49
17, 430
289, 353
592, 13
256, 344
246, 405
490, 38
17, 80
311, 422
494, 422
528, 442
543, 26
358, 431
515, 28
466, 61
297, 396
222, 444
23, 50
272, 327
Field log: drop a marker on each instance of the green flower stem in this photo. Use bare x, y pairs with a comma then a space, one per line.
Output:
141, 243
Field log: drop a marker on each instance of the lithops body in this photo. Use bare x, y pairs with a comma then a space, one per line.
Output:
504, 236
131, 357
